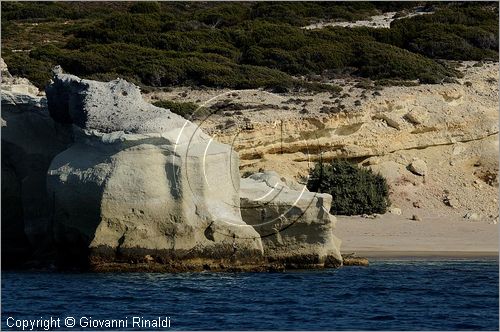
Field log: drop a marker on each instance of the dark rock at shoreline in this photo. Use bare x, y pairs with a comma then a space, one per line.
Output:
353, 260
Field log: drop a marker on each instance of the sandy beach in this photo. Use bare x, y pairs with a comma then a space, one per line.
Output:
394, 236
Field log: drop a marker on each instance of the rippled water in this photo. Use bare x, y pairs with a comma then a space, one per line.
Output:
388, 295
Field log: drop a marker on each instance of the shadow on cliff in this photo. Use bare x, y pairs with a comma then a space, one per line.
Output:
76, 208
16, 249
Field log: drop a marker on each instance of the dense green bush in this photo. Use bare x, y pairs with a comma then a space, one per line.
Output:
456, 32
21, 65
355, 190
227, 14
145, 7
243, 45
378, 62
184, 109
302, 13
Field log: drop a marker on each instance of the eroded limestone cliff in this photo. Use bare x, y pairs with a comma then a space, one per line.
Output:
295, 225
451, 127
131, 186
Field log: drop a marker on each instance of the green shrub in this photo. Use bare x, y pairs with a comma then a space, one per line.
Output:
145, 7
184, 109
21, 65
226, 14
355, 190
318, 87
187, 110
243, 45
388, 82
377, 61
455, 32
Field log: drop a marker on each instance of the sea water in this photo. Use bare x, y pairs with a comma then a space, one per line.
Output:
410, 294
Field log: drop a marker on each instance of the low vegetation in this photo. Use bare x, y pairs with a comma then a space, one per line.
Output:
242, 45
184, 109
355, 190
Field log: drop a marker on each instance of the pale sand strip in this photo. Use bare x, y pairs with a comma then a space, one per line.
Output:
427, 254
395, 236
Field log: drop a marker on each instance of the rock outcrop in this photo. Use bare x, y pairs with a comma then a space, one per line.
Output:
30, 140
296, 226
453, 127
95, 177
141, 183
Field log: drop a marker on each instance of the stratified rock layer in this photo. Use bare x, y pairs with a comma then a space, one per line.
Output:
452, 127
296, 226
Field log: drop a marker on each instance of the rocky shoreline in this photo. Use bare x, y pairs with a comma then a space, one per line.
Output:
131, 187
96, 178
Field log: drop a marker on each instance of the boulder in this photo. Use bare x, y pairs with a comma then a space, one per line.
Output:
295, 226
418, 167
392, 120
416, 217
395, 210
417, 116
141, 185
451, 201
353, 260
391, 170
472, 216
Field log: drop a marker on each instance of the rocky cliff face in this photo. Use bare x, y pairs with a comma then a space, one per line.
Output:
452, 128
141, 183
123, 185
393, 119
30, 140
295, 225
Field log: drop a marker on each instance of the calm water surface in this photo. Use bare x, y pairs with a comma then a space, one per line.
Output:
389, 295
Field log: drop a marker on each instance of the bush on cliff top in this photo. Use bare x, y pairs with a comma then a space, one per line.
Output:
355, 190
184, 109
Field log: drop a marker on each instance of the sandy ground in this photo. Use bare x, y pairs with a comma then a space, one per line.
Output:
377, 21
391, 235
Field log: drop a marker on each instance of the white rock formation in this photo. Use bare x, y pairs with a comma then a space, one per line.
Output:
19, 92
141, 181
296, 226
98, 176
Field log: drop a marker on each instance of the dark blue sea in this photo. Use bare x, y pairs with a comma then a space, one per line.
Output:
419, 294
